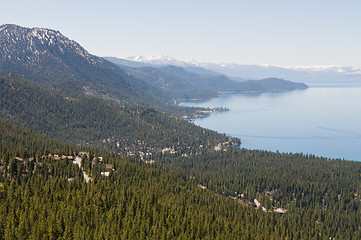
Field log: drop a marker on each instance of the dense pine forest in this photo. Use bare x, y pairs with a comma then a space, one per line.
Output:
43, 197
208, 196
95, 121
318, 193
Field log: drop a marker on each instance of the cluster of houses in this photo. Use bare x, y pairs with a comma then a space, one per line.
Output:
242, 199
108, 167
276, 210
77, 160
229, 143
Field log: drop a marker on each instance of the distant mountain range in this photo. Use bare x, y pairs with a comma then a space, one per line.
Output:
311, 75
167, 74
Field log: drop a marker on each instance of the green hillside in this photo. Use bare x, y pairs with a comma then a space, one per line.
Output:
45, 197
208, 196
320, 195
94, 121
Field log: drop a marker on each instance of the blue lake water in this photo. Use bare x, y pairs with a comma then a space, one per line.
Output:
321, 121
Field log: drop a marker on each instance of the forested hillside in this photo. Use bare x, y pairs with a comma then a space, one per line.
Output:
168, 86
45, 197
318, 194
208, 196
94, 121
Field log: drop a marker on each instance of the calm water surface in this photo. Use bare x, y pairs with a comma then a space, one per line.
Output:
321, 121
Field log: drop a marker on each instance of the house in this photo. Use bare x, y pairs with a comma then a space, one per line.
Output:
109, 166
280, 210
258, 204
201, 186
83, 153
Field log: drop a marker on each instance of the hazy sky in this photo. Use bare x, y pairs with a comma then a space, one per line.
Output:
308, 32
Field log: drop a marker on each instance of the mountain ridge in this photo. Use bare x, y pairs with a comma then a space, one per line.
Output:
201, 79
311, 75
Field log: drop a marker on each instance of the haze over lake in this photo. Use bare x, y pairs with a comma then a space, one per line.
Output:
324, 121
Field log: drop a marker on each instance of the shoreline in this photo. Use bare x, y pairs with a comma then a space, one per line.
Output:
205, 113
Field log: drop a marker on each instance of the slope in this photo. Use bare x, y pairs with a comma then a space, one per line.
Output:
315, 195
45, 196
40, 195
178, 83
219, 83
90, 120
169, 87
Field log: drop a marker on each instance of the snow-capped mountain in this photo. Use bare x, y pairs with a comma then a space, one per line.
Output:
34, 52
30, 45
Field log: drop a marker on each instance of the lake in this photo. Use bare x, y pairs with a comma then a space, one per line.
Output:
324, 121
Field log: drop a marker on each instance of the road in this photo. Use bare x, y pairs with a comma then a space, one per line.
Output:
78, 161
